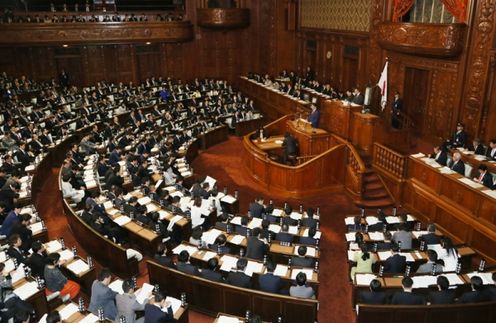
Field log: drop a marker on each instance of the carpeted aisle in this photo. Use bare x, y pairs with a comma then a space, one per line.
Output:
224, 163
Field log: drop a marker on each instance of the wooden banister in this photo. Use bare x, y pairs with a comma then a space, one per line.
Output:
389, 161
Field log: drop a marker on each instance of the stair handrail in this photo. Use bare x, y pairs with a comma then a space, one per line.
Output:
389, 161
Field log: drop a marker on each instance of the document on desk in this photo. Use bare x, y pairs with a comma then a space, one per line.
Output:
253, 267
78, 267
371, 220
308, 272
228, 262
190, 249
175, 303
351, 255
364, 279
281, 270
236, 220
480, 157
237, 239
227, 319
18, 274
408, 256
208, 255
418, 155
66, 255
173, 221
210, 236
28, 210
144, 200
490, 193
454, 279
487, 278
296, 216
277, 212
318, 234
26, 290
424, 281
144, 292
446, 170
255, 223
176, 193
116, 286
69, 310
36, 227
350, 236
470, 182
376, 236
350, 220
383, 255
418, 234
228, 199
293, 229
274, 228
53, 246
211, 181
392, 219
151, 207
122, 220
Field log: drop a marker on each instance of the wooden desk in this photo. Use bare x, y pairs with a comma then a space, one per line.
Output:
312, 141
213, 137
240, 319
336, 116
464, 212
211, 297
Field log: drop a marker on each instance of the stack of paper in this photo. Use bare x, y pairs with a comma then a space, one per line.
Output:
237, 239
53, 246
424, 281
26, 290
78, 267
228, 263
36, 227
228, 199
116, 286
208, 255
281, 270
274, 228
487, 278
69, 310
350, 220
364, 279
90, 318
122, 220
66, 255
144, 292
190, 249
277, 212
255, 223
253, 267
175, 303
308, 272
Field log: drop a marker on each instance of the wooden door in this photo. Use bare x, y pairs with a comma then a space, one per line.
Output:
415, 97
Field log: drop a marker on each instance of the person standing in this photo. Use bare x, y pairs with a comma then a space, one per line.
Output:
396, 111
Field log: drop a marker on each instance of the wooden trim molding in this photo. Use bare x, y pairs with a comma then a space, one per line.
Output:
84, 33
438, 40
229, 18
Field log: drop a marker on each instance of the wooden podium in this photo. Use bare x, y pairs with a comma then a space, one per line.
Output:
312, 141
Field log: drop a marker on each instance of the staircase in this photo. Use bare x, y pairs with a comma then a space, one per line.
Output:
375, 195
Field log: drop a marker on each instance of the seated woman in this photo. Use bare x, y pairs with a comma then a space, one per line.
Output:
364, 261
56, 281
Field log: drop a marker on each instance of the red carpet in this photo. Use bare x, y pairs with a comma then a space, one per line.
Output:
224, 163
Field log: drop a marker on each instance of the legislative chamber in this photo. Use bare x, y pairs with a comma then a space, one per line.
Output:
283, 161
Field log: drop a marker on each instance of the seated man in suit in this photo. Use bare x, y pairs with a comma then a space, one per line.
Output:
38, 259
284, 235
491, 151
431, 237
476, 295
485, 178
211, 273
158, 310
256, 209
301, 290
443, 295
358, 97
457, 164
220, 245
102, 296
310, 239
269, 282
184, 265
440, 156
407, 297
375, 296
403, 237
300, 260
478, 148
428, 267
161, 256
238, 277
309, 220
395, 264
14, 250
255, 248
126, 303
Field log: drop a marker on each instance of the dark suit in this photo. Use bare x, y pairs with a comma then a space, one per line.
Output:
37, 264
373, 298
442, 297
442, 159
164, 261
284, 237
487, 180
188, 268
314, 118
17, 254
256, 210
490, 154
459, 139
290, 145
430, 238
239, 279
479, 150
154, 314
472, 297
211, 275
308, 222
458, 167
395, 264
404, 298
255, 248
358, 99
270, 283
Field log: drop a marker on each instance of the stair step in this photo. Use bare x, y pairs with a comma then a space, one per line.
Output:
376, 194
375, 204
373, 186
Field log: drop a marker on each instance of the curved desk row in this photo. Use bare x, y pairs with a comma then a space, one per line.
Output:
211, 297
